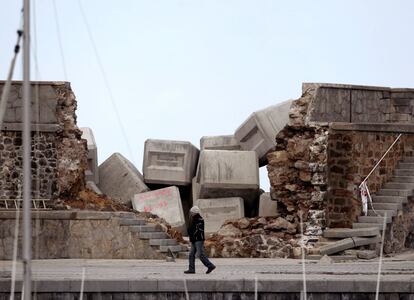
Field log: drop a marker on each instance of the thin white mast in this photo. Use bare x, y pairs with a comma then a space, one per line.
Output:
27, 176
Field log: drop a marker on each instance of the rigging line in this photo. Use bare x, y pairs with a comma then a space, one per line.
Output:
106, 81
62, 56
7, 85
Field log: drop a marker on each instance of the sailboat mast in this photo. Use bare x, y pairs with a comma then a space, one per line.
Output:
27, 234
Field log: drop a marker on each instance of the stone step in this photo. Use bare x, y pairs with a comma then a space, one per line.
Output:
153, 235
399, 186
365, 225
163, 242
404, 172
402, 179
129, 222
125, 214
391, 206
394, 192
347, 243
405, 165
381, 212
145, 228
350, 232
374, 219
183, 255
389, 199
176, 248
408, 159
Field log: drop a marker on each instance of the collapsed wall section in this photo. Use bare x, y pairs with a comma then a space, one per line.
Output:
58, 152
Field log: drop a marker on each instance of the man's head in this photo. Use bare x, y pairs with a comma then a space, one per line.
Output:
195, 210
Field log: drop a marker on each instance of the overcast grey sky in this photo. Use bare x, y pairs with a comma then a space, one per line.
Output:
181, 69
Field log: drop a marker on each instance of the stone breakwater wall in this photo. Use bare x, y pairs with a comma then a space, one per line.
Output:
59, 155
335, 135
75, 234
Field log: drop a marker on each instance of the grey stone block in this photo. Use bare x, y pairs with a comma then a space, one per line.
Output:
223, 174
169, 162
153, 235
93, 187
92, 173
348, 232
267, 206
367, 254
258, 132
216, 211
220, 142
165, 203
120, 180
337, 246
130, 222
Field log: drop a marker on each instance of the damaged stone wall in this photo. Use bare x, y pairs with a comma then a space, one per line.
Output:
297, 168
352, 155
58, 152
317, 165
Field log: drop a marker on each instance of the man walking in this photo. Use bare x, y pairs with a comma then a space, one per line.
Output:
196, 235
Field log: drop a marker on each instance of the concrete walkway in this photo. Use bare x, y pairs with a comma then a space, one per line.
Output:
244, 275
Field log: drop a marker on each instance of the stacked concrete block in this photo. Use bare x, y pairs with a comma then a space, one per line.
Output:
169, 162
92, 173
224, 173
216, 211
220, 142
258, 132
267, 206
120, 180
165, 203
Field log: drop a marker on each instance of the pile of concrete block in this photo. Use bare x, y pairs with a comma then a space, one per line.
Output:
350, 241
222, 178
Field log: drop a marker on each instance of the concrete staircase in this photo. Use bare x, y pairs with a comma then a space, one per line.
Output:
158, 239
391, 197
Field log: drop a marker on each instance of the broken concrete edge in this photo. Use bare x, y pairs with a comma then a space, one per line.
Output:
350, 232
373, 127
314, 85
401, 284
70, 215
347, 243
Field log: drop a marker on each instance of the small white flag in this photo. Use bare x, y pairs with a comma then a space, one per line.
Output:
364, 197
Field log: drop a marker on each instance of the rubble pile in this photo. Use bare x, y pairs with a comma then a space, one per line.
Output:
264, 237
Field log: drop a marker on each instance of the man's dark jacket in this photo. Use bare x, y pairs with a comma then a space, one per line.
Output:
196, 229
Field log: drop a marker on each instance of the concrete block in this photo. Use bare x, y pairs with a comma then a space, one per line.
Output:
92, 173
339, 233
165, 203
337, 246
216, 211
267, 206
220, 142
120, 180
93, 187
223, 173
258, 132
169, 162
367, 254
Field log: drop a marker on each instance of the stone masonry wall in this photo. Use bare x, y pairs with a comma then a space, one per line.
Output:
297, 169
351, 156
317, 165
58, 152
70, 234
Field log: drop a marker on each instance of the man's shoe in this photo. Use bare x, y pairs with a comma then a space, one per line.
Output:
189, 272
210, 269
